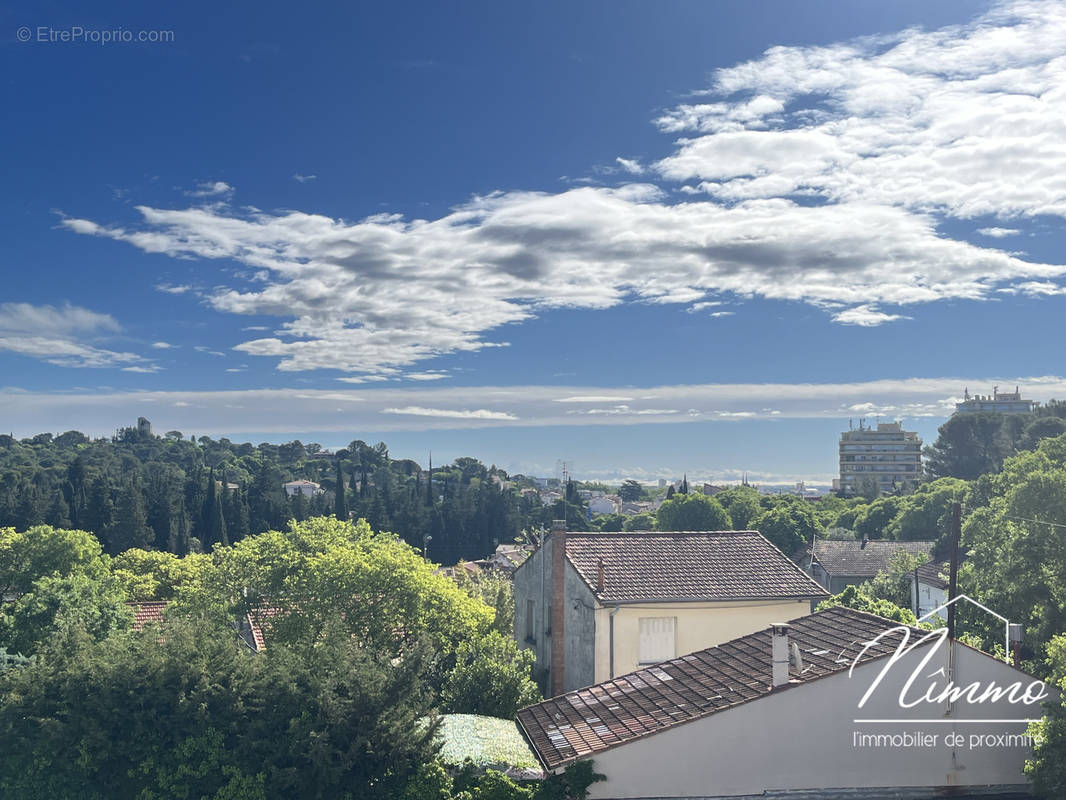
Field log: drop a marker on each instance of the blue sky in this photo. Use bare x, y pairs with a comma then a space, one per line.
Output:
646, 238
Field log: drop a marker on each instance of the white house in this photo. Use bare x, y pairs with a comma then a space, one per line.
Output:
306, 488
782, 713
595, 605
603, 505
929, 588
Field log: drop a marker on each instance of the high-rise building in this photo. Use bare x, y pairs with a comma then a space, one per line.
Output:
887, 454
998, 403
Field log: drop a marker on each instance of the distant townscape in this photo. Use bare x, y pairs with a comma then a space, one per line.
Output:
452, 630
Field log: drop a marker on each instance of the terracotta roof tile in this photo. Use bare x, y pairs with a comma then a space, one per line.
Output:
589, 720
148, 611
713, 565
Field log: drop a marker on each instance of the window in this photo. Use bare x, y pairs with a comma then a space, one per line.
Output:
657, 639
530, 630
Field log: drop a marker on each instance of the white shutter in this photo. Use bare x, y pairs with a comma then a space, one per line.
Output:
657, 639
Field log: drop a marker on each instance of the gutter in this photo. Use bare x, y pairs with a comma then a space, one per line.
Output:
610, 671
660, 600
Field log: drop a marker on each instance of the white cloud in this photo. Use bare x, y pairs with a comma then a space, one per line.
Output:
143, 369
303, 178
631, 165
1041, 288
998, 233
865, 316
822, 173
61, 335
169, 289
450, 413
164, 345
299, 412
723, 313
592, 398
386, 293
965, 121
211, 189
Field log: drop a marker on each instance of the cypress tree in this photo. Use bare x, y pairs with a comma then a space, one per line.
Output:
214, 523
342, 503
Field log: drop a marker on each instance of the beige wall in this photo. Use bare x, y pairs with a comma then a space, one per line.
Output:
802, 738
699, 625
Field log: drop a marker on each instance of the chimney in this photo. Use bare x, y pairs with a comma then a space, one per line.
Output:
558, 612
599, 577
780, 653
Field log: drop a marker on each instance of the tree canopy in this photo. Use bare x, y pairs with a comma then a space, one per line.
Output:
693, 512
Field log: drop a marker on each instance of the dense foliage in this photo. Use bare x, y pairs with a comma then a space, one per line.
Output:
182, 493
365, 640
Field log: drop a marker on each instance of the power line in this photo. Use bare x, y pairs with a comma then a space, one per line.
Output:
1038, 522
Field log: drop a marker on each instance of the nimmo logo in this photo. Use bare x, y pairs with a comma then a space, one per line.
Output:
926, 691
940, 689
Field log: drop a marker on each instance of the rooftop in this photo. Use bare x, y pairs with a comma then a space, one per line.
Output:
864, 559
587, 721
697, 565
148, 611
933, 573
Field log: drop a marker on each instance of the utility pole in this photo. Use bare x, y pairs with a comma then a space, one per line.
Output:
953, 581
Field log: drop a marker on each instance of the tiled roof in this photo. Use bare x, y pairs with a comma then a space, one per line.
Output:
152, 611
712, 565
934, 573
148, 611
864, 560
587, 721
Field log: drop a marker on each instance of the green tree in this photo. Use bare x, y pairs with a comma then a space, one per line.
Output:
341, 508
322, 574
693, 512
855, 597
56, 604
926, 514
894, 585
742, 503
351, 726
1047, 768
610, 522
640, 522
156, 575
213, 528
491, 677
42, 552
631, 491
971, 445
788, 525
131, 523
1013, 538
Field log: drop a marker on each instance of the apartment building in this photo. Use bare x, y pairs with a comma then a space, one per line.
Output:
887, 453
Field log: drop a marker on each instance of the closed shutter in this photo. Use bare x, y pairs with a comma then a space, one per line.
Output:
657, 639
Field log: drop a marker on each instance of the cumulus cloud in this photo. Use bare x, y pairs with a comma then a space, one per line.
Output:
812, 174
62, 335
966, 120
